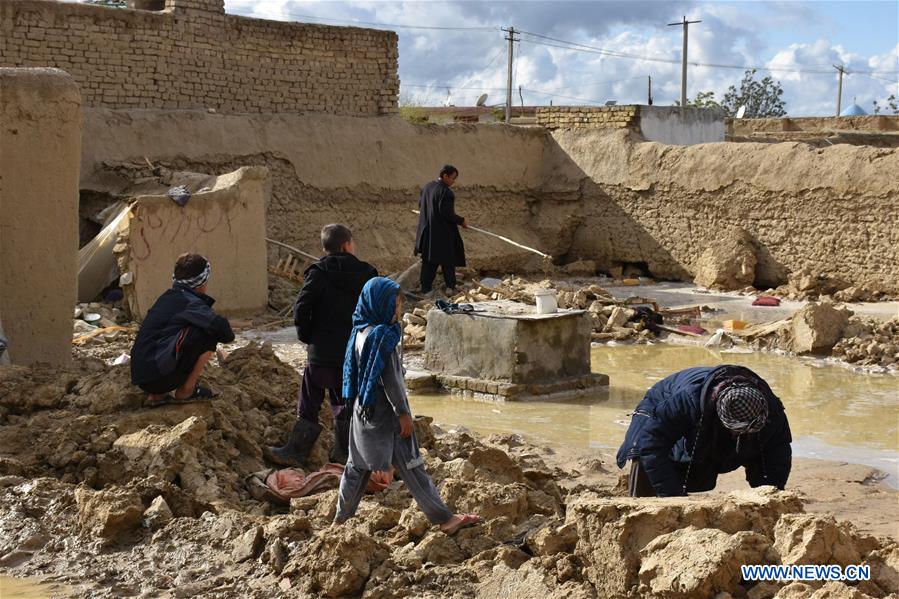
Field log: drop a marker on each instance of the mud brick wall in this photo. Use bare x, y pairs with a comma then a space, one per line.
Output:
589, 117
603, 195
193, 56
40, 153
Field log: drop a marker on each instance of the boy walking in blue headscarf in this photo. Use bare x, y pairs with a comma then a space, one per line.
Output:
381, 432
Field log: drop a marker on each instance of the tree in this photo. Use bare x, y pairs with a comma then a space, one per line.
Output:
761, 98
411, 109
704, 100
891, 106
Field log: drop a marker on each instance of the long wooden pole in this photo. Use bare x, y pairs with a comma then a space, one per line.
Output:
293, 249
506, 239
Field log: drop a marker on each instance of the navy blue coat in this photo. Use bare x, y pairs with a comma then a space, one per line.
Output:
682, 446
154, 352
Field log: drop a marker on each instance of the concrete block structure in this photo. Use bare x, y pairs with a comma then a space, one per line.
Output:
40, 155
505, 350
670, 125
225, 224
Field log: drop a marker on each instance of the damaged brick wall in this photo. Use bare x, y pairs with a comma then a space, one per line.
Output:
192, 55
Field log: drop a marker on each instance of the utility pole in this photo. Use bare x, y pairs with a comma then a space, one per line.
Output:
683, 68
649, 91
512, 40
841, 69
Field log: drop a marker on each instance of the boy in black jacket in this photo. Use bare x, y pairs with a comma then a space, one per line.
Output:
323, 315
178, 337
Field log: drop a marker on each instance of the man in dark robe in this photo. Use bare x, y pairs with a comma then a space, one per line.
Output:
438, 239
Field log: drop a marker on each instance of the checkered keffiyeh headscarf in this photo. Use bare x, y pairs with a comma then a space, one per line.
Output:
196, 281
742, 407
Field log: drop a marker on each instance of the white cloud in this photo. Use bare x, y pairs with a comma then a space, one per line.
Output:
730, 33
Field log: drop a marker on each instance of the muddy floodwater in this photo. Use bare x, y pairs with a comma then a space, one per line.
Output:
25, 588
835, 413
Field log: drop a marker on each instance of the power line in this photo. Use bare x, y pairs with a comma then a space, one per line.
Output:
578, 47
561, 43
527, 89
299, 17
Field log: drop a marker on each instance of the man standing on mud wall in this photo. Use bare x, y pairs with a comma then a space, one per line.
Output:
323, 315
438, 239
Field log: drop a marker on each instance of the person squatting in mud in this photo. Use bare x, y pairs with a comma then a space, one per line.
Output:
381, 432
323, 316
178, 337
701, 422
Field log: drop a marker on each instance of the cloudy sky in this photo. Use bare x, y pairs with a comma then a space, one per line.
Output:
453, 50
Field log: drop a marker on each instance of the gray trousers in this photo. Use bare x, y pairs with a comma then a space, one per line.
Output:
420, 485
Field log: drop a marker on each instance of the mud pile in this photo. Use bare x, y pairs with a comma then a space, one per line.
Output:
114, 499
809, 284
824, 329
869, 342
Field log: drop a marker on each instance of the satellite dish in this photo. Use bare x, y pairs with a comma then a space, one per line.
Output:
481, 100
741, 111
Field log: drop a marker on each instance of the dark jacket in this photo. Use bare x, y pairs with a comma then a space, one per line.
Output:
676, 434
154, 352
323, 312
438, 239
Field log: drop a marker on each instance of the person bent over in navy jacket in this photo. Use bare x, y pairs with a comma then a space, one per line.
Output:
701, 422
178, 337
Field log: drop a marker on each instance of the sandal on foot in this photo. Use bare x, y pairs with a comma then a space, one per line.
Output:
199, 394
465, 521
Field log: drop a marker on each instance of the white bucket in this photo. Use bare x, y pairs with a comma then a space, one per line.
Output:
546, 301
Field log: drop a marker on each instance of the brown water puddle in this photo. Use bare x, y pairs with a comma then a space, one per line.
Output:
834, 413
27, 588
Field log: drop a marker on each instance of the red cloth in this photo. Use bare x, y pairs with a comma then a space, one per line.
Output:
766, 300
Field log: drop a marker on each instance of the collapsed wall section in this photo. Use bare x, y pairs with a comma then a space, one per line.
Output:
195, 56
832, 210
599, 195
363, 172
226, 224
40, 150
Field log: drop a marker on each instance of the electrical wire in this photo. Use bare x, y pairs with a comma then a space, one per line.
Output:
237, 11
549, 41
578, 47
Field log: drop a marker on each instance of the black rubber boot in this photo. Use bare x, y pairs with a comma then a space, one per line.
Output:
341, 450
298, 446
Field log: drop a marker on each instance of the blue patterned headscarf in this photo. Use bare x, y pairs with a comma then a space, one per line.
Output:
375, 308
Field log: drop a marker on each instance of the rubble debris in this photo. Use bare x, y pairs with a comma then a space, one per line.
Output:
809, 284
166, 487
108, 513
816, 328
728, 263
698, 562
157, 515
869, 342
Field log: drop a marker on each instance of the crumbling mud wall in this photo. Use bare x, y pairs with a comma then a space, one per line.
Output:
881, 130
832, 210
363, 172
194, 56
225, 224
599, 195
40, 149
